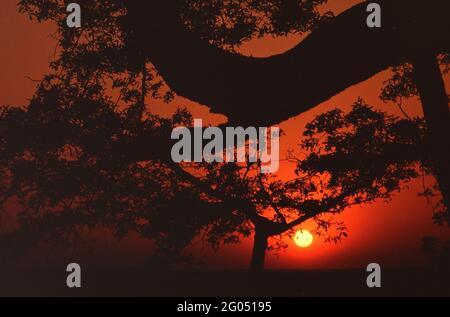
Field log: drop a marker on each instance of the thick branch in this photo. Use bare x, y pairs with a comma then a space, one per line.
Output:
265, 91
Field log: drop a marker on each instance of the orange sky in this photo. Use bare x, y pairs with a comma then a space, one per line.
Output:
386, 233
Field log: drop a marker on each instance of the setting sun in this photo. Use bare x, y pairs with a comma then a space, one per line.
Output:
303, 238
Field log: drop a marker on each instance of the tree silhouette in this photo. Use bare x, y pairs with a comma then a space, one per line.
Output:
344, 50
65, 180
409, 81
89, 159
93, 160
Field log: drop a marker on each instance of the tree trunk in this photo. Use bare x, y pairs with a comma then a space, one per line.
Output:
434, 98
259, 251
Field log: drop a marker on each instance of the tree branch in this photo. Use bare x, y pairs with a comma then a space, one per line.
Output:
337, 55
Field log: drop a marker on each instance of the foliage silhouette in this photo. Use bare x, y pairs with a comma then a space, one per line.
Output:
232, 85
89, 159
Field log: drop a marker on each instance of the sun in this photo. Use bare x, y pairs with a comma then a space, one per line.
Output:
303, 238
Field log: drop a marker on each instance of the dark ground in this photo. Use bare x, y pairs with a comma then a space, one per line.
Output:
395, 282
